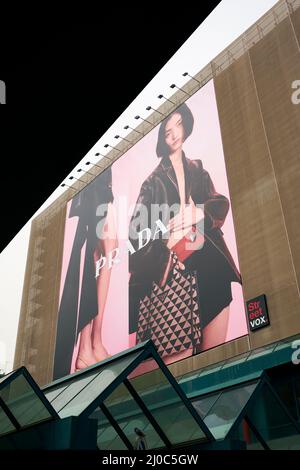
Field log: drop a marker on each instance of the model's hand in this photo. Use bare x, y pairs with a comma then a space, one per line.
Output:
181, 224
197, 213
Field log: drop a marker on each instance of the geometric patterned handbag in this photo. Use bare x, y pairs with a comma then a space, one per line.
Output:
170, 315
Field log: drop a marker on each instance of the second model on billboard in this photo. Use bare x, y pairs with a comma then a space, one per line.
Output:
150, 250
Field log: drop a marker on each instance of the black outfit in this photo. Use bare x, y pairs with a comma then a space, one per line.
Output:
213, 262
84, 206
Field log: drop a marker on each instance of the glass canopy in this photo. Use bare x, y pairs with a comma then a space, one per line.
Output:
252, 412
119, 397
113, 393
244, 367
22, 403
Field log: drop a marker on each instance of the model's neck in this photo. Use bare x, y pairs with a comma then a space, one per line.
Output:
176, 157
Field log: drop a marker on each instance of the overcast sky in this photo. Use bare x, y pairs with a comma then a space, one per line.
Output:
228, 21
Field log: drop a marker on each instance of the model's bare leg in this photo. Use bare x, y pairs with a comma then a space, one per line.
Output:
103, 280
106, 245
215, 332
85, 355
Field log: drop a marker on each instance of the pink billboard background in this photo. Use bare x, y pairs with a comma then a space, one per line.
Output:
128, 174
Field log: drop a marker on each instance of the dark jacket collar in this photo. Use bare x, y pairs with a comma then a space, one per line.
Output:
167, 167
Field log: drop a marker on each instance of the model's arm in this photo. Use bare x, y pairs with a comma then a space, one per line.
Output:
215, 205
150, 260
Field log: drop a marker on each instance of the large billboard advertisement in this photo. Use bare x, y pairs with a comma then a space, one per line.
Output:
150, 250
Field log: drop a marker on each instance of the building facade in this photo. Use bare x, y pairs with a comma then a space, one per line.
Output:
255, 83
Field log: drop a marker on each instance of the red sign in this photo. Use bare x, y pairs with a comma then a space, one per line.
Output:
257, 312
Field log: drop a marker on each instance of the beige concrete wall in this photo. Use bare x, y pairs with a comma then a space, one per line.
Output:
261, 138
39, 309
295, 20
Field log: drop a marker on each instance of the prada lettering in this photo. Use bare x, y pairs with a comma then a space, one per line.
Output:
144, 237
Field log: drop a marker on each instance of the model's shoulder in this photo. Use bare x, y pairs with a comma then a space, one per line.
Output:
149, 181
196, 164
156, 173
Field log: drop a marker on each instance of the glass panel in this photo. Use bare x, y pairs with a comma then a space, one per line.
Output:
211, 369
203, 405
5, 423
244, 433
261, 351
252, 442
285, 390
107, 437
96, 386
74, 387
178, 424
275, 427
146, 381
2, 379
23, 402
283, 345
32, 440
227, 408
234, 361
179, 377
297, 394
54, 392
6, 443
167, 408
190, 376
286, 343
129, 416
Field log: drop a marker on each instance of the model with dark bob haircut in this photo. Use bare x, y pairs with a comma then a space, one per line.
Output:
162, 149
200, 212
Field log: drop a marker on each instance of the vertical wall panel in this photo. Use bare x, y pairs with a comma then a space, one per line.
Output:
276, 64
39, 310
263, 246
21, 342
295, 18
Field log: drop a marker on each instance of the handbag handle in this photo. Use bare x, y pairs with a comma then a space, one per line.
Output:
192, 315
173, 262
